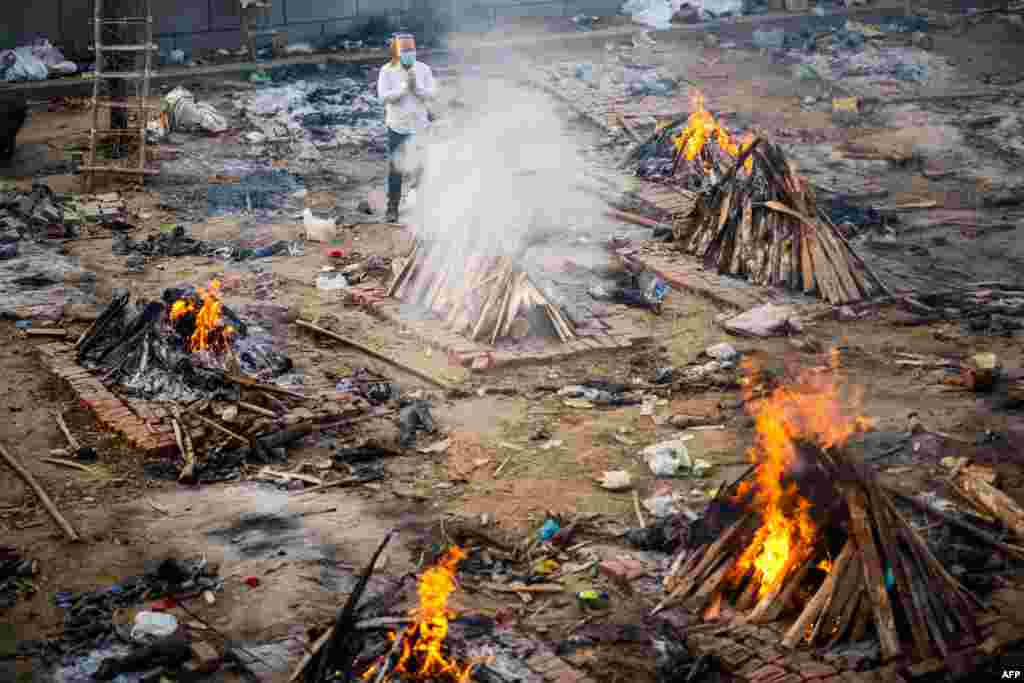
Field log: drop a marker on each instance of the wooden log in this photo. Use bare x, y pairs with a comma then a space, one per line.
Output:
1004, 508
775, 600
403, 273
46, 332
749, 596
256, 409
710, 587
874, 573
44, 498
1013, 551
184, 438
707, 561
72, 441
914, 611
263, 386
812, 610
862, 619
844, 605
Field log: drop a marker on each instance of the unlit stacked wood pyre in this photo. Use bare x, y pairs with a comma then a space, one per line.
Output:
178, 349
811, 532
485, 298
745, 211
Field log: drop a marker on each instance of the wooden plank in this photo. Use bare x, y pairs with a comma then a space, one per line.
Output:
707, 561
902, 573
874, 573
775, 600
812, 610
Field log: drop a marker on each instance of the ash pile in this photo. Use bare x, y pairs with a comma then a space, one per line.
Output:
183, 348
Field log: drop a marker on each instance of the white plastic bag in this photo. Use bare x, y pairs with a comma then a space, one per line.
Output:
188, 115
654, 13
21, 65
720, 7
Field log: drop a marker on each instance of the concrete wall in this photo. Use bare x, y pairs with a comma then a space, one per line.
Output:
199, 24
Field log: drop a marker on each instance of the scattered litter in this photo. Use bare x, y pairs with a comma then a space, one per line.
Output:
593, 600
616, 480
661, 506
318, 229
187, 115
151, 626
724, 353
654, 13
35, 62
413, 418
644, 81
672, 458
550, 528
550, 444
331, 280
767, 320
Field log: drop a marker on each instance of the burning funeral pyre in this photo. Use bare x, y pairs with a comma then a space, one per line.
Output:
178, 349
748, 213
812, 533
484, 298
419, 652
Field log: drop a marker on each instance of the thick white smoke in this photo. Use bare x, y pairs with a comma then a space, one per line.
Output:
501, 172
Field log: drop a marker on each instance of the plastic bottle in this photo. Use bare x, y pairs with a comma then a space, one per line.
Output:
154, 625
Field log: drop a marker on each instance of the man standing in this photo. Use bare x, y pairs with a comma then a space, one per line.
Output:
405, 85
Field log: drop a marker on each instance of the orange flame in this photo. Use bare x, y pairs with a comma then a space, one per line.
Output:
422, 656
810, 411
702, 128
210, 332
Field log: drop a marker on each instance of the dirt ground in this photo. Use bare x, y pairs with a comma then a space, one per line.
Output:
493, 466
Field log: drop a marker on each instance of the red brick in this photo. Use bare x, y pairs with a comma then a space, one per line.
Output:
812, 669
770, 673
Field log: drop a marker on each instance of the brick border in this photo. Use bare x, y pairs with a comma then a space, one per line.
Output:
619, 333
143, 423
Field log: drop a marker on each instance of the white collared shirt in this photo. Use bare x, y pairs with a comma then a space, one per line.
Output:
404, 112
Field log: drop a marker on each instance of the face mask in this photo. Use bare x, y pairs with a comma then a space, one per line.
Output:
408, 59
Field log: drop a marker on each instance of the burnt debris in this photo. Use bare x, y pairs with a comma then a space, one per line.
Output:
141, 349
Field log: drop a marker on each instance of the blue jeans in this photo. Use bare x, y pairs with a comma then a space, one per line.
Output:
395, 143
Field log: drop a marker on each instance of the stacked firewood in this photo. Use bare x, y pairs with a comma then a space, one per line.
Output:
484, 297
885, 575
764, 224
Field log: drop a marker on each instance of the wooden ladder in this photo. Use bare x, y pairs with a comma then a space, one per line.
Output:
131, 165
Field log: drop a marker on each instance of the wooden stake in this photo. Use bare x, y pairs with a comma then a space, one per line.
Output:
72, 441
874, 573
775, 600
813, 608
68, 530
223, 430
256, 409
375, 354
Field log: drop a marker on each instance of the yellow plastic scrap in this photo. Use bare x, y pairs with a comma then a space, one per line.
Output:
545, 567
846, 105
